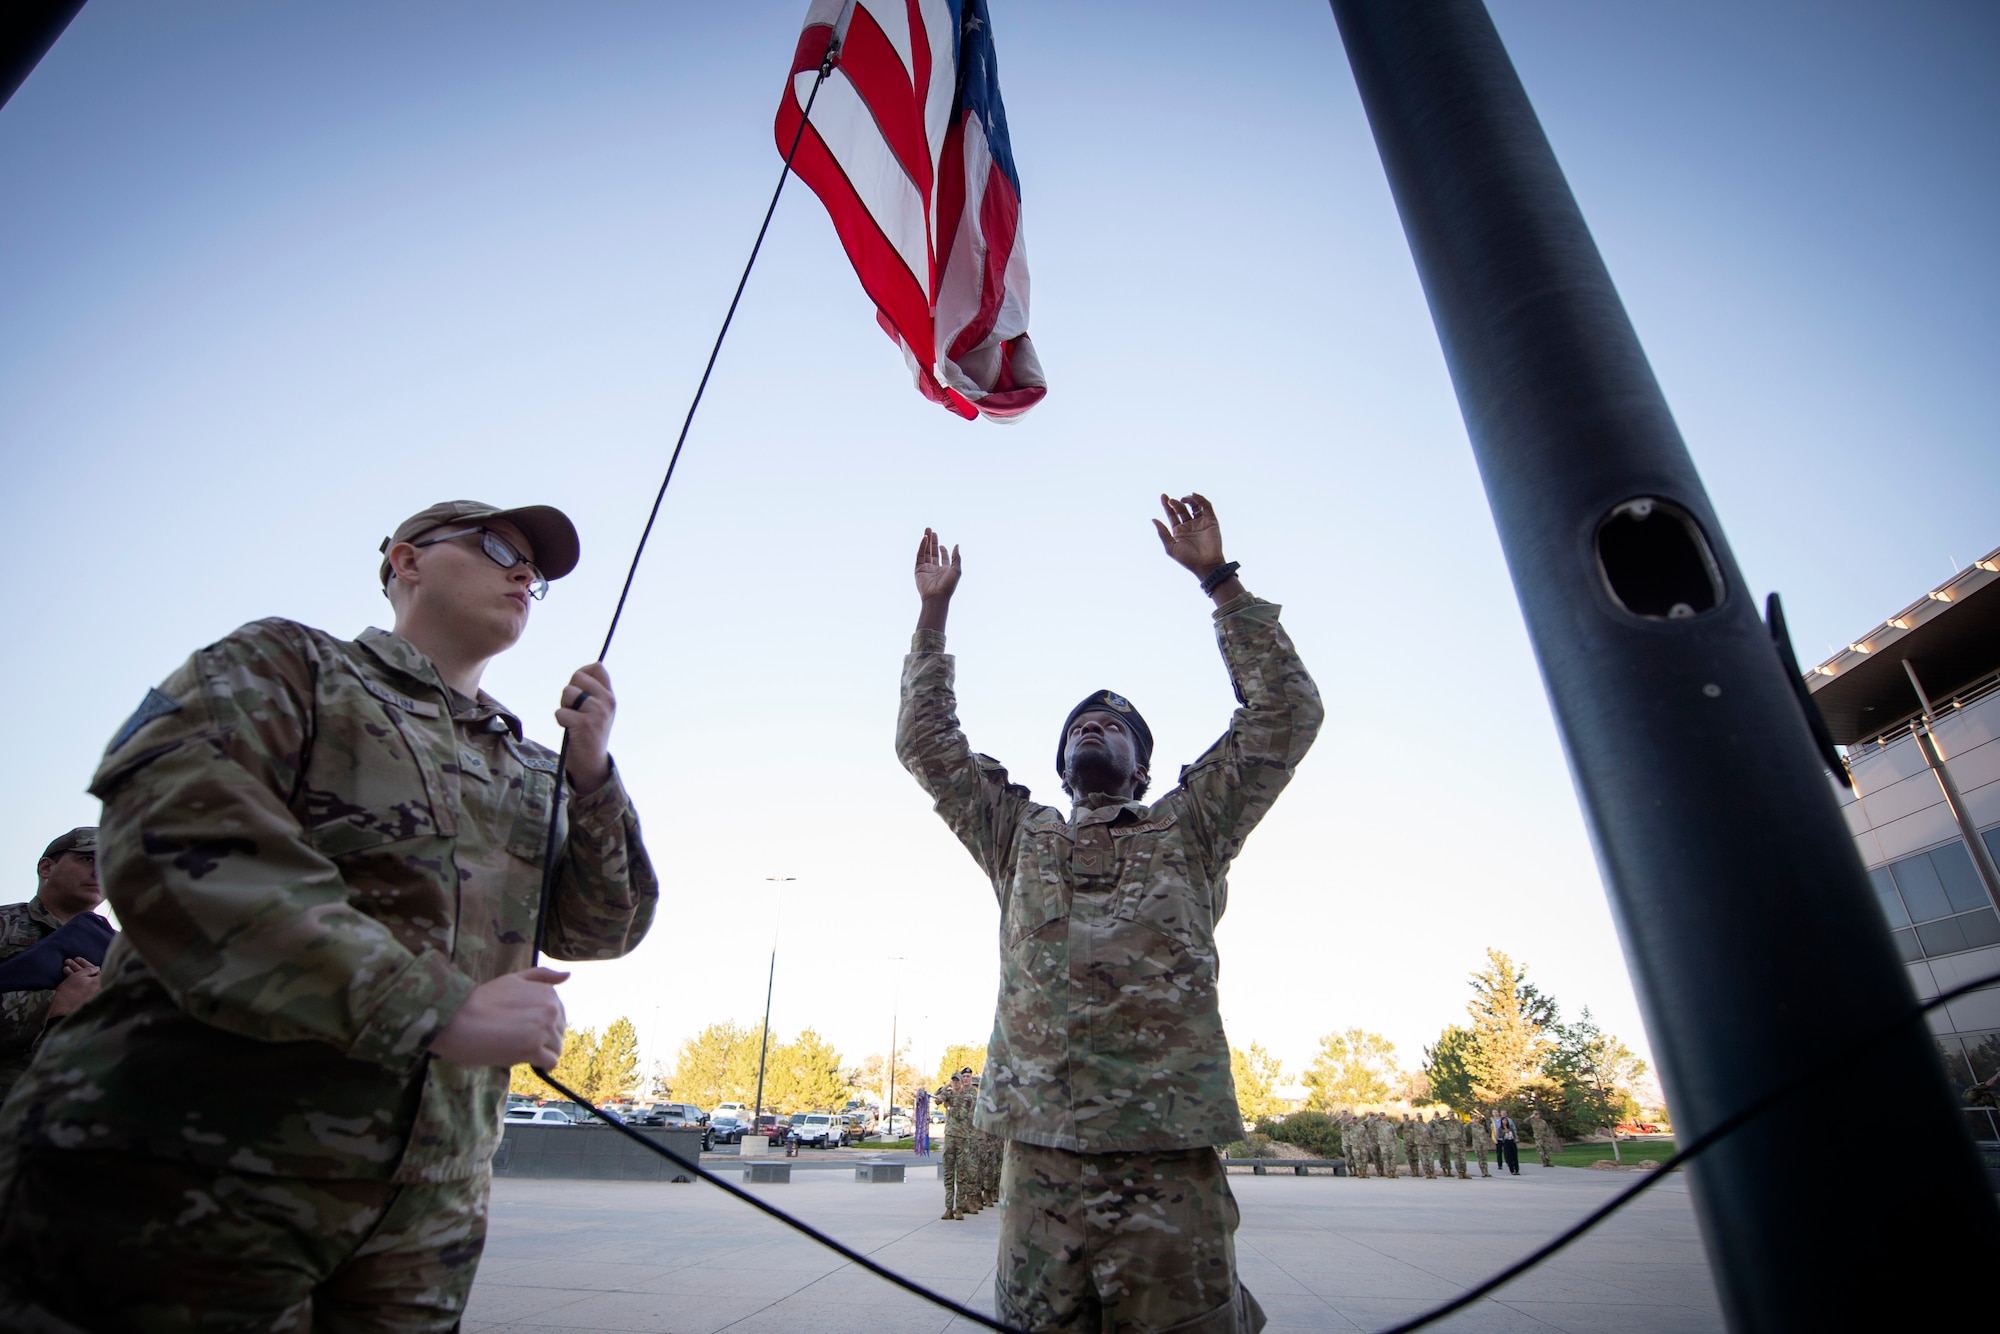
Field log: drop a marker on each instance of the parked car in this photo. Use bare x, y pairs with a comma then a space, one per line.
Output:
817, 1130
774, 1127
726, 1129
539, 1116
853, 1128
739, 1110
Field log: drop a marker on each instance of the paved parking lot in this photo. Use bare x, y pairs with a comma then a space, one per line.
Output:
1321, 1253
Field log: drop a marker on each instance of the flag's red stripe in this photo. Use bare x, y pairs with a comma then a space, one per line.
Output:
870, 61
884, 276
999, 217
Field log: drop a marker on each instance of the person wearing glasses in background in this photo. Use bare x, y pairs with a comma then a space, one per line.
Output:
281, 1108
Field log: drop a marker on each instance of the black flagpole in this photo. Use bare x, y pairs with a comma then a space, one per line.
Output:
1751, 932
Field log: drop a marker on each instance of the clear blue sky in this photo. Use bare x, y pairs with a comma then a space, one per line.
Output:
276, 276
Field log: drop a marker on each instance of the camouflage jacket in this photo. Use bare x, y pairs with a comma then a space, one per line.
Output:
317, 850
957, 1104
1108, 1037
22, 1013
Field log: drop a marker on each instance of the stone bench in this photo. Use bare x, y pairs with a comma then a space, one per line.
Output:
1261, 1166
879, 1173
778, 1173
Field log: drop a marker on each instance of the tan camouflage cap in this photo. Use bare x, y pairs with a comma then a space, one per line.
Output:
547, 529
83, 838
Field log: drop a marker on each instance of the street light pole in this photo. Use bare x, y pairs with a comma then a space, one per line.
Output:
764, 1037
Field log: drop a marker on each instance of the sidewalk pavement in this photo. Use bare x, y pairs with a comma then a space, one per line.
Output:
1320, 1253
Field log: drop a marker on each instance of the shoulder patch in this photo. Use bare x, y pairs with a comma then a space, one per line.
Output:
157, 704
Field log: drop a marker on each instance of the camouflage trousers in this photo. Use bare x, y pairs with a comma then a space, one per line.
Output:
1456, 1154
1479, 1147
956, 1173
1119, 1243
107, 1241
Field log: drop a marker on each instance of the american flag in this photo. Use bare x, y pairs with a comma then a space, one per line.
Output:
908, 150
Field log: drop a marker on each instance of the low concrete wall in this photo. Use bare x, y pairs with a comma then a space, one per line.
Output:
591, 1153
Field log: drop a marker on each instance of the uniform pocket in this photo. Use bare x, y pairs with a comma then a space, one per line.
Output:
1038, 895
366, 783
534, 790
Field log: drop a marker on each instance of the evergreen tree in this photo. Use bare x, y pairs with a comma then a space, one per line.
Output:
1353, 1069
578, 1067
618, 1060
1450, 1063
1512, 1021
523, 1079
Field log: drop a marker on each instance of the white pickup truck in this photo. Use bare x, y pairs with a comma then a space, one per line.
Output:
819, 1130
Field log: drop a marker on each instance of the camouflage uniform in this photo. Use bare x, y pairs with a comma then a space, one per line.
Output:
1423, 1143
1455, 1136
955, 1169
1546, 1143
317, 850
1350, 1146
1130, 1242
22, 1013
1482, 1140
1108, 1039
1441, 1139
1408, 1133
1385, 1144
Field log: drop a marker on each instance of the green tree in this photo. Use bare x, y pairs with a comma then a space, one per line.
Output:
718, 1065
1590, 1074
578, 1067
1512, 1020
1257, 1074
804, 1076
618, 1060
956, 1057
1451, 1063
523, 1079
1355, 1068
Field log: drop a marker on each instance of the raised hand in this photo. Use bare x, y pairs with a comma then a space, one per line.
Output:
1195, 539
937, 574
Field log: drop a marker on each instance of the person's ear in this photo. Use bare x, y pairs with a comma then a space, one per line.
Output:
1141, 778
403, 562
44, 867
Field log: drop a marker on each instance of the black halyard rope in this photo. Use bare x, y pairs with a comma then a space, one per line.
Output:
1707, 1140
846, 1252
562, 756
1701, 1144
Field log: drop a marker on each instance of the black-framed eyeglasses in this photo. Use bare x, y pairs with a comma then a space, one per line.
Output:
498, 550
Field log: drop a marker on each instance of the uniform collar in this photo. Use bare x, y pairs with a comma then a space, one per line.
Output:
38, 912
399, 655
1100, 808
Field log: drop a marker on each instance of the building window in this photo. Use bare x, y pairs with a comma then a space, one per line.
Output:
1935, 903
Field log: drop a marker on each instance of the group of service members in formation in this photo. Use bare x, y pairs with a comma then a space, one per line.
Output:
1374, 1142
972, 1158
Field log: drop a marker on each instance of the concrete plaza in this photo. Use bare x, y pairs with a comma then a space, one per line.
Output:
1320, 1253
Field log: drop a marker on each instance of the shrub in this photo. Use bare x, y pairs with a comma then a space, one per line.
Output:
1315, 1132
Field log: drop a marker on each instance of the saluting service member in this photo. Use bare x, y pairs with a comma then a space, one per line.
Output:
1108, 1071
280, 1111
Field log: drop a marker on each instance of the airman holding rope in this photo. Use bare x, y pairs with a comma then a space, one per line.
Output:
281, 1108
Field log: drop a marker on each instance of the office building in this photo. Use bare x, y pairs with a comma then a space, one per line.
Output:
1915, 703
